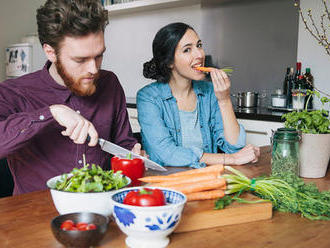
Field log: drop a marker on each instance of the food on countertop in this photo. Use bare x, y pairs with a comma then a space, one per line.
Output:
288, 193
170, 181
69, 225
145, 197
192, 187
216, 169
206, 195
93, 179
132, 168
197, 184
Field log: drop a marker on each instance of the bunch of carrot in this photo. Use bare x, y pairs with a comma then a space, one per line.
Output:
197, 184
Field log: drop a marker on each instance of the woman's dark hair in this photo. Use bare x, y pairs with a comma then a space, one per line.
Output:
163, 48
75, 18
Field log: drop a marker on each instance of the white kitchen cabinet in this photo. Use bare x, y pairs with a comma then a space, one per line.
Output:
259, 132
133, 119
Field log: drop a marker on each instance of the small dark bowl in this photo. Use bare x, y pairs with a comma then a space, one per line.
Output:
80, 238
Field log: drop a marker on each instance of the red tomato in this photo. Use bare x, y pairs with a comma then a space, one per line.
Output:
132, 168
91, 227
67, 225
145, 197
82, 226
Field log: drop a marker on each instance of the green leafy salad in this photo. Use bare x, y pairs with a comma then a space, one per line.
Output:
92, 179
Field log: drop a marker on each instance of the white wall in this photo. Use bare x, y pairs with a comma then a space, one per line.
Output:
129, 42
310, 53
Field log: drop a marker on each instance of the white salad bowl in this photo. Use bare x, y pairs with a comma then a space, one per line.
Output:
148, 227
71, 202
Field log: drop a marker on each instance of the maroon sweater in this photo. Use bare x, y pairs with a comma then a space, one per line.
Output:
31, 139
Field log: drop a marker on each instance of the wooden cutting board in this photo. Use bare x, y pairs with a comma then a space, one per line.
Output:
199, 215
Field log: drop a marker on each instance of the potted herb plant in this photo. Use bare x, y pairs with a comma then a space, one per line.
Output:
315, 143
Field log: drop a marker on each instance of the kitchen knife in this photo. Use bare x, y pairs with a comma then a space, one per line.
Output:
122, 152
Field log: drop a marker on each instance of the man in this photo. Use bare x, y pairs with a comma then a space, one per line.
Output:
46, 116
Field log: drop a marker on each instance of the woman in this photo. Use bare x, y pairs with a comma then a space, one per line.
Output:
184, 120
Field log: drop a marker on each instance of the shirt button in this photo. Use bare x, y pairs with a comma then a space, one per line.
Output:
78, 111
178, 130
41, 117
79, 161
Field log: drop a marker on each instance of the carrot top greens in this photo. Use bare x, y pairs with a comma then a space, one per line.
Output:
287, 193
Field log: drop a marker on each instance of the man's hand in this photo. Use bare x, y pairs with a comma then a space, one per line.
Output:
77, 127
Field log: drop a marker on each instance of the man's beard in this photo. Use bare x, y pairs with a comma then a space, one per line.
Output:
74, 85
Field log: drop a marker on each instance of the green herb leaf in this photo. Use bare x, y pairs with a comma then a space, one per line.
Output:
316, 121
223, 202
93, 179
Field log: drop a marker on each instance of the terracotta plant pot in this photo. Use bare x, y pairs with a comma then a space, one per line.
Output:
314, 155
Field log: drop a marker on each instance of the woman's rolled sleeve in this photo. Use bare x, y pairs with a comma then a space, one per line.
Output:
225, 146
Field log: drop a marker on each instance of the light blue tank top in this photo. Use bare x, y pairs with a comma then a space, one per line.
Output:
191, 132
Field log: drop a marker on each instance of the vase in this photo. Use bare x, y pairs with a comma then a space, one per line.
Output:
314, 155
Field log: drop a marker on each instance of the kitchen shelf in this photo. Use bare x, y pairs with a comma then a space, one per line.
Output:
147, 5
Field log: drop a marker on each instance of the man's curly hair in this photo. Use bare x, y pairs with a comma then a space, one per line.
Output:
75, 18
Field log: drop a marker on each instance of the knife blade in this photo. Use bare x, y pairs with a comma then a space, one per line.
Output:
114, 149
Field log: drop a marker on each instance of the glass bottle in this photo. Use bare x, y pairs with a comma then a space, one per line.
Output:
286, 81
309, 85
290, 87
285, 152
298, 70
309, 79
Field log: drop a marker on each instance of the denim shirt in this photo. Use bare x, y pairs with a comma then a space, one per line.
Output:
158, 116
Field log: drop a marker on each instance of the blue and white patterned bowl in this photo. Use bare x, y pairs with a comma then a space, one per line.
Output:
148, 226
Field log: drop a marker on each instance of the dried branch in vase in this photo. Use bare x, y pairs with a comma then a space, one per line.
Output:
318, 31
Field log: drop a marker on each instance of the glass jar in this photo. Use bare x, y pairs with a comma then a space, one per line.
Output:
298, 99
285, 152
278, 100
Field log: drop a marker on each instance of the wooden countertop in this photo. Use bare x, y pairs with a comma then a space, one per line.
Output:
25, 222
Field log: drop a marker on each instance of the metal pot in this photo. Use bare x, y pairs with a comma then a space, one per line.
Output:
247, 99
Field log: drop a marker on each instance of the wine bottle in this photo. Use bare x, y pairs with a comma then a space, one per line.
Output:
298, 71
309, 79
286, 81
291, 81
300, 83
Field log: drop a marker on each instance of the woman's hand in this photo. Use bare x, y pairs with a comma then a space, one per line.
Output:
137, 150
221, 84
249, 153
